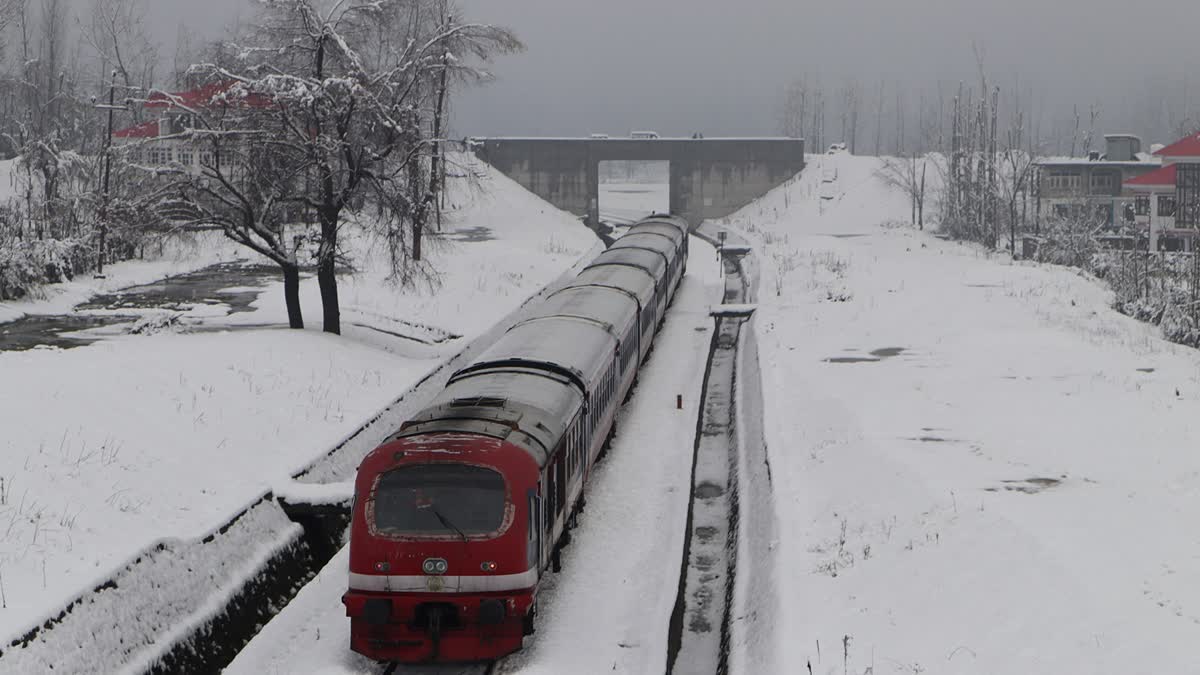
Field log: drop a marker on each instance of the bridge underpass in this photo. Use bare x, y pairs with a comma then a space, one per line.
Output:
709, 177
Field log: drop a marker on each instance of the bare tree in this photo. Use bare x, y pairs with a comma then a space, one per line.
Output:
1016, 176
118, 34
907, 174
1093, 117
792, 115
879, 121
332, 101
851, 98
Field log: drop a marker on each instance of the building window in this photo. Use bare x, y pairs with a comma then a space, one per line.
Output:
1141, 205
1166, 207
1187, 193
1062, 211
1061, 179
186, 155
1102, 182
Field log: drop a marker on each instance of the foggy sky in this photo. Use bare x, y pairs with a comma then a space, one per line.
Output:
678, 66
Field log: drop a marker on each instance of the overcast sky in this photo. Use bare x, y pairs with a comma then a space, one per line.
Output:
678, 66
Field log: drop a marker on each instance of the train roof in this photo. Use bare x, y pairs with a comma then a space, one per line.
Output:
633, 279
675, 223
652, 262
612, 307
577, 348
651, 241
526, 407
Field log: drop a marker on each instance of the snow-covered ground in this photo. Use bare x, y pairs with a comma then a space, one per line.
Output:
979, 467
609, 609
109, 448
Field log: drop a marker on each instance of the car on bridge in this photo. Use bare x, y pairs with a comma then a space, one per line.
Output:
643, 135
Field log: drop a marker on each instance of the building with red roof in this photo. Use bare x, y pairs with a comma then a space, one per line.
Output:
1167, 201
150, 142
1185, 150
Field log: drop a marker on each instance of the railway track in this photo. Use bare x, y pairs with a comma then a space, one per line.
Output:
700, 627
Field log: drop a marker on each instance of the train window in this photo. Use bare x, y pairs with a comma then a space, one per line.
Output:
434, 500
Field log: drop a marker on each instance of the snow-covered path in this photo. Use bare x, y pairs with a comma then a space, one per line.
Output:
979, 466
607, 611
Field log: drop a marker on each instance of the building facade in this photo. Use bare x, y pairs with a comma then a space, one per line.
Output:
160, 141
1167, 200
1094, 188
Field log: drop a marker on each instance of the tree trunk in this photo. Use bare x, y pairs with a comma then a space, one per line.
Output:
326, 277
291, 294
921, 201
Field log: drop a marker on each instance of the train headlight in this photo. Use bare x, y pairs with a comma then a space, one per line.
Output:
488, 566
434, 566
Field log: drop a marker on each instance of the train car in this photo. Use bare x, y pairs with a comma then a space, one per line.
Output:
458, 516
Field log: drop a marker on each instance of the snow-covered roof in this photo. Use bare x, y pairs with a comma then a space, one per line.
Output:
1159, 178
143, 130
1084, 161
205, 96
482, 139
1188, 146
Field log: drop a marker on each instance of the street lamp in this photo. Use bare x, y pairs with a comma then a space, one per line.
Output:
110, 107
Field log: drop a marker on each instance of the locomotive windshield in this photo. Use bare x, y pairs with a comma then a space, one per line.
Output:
439, 499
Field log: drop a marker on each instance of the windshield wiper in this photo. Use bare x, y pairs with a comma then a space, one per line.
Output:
446, 522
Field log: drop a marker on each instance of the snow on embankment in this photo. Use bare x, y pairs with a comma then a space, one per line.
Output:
978, 465
110, 450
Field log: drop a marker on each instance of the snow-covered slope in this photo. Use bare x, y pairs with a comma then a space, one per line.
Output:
979, 467
108, 448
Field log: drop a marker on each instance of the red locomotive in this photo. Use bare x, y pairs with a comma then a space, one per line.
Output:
457, 516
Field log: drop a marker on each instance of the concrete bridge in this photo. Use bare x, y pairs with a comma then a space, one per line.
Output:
710, 177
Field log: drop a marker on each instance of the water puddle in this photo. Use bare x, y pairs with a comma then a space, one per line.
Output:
876, 356
231, 285
1145, 370
55, 330
1029, 486
470, 234
709, 491
237, 286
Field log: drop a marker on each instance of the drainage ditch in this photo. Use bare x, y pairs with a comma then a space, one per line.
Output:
700, 627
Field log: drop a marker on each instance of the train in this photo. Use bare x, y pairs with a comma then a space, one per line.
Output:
459, 515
